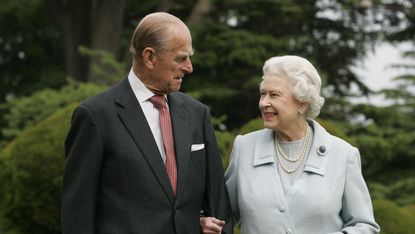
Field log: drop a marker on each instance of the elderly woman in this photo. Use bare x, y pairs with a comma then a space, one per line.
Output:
293, 176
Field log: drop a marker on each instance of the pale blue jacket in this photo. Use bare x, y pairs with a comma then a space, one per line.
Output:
331, 195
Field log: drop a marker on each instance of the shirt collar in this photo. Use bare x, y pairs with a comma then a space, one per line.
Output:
140, 90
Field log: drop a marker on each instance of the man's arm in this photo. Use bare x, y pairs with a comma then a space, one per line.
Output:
83, 157
216, 198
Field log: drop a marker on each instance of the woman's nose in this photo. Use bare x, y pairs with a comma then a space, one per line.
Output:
264, 102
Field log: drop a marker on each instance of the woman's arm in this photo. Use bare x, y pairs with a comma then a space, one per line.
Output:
357, 211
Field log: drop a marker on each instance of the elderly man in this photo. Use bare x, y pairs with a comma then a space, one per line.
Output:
142, 157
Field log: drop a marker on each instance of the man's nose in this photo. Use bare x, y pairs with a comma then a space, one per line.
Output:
188, 67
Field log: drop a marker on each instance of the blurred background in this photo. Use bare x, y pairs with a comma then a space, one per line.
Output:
55, 53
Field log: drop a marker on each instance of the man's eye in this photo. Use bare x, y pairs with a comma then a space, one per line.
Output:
182, 59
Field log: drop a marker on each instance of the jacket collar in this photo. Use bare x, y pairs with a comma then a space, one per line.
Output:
264, 148
319, 153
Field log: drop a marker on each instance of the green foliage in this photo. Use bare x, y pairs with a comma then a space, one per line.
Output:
253, 125
227, 71
400, 189
114, 69
32, 165
393, 219
234, 40
386, 136
26, 111
30, 51
224, 138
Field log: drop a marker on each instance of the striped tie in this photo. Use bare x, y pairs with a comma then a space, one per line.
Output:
160, 103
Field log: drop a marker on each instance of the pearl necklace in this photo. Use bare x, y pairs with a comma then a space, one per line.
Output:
281, 155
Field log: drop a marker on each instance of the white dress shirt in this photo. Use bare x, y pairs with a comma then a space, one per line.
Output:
151, 113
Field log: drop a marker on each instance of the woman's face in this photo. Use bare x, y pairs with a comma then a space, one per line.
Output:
278, 106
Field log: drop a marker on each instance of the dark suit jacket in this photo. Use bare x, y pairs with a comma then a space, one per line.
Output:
115, 181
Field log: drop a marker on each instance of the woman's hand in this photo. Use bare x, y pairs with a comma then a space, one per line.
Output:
211, 225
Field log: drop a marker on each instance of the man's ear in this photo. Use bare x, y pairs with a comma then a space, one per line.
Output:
149, 58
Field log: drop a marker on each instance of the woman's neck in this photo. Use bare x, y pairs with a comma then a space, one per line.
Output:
294, 133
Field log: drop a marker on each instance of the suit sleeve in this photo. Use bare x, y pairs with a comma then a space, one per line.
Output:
83, 157
231, 176
357, 212
216, 197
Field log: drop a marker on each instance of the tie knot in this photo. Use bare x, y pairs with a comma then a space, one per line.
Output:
158, 101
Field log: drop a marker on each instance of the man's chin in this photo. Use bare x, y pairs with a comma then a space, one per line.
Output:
175, 88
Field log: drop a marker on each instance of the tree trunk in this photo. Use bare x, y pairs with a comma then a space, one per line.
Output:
200, 9
165, 5
73, 18
107, 17
95, 24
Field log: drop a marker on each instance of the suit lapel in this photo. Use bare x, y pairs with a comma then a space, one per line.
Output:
134, 120
182, 138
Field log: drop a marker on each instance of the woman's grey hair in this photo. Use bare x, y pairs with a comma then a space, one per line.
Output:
302, 75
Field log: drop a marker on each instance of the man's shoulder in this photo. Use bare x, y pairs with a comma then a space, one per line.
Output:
188, 100
111, 91
103, 98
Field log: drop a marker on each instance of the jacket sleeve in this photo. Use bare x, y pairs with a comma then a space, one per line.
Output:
83, 157
216, 197
357, 211
231, 176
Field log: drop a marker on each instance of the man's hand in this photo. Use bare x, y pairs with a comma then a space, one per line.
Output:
211, 225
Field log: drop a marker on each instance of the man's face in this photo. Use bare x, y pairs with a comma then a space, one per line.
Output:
171, 66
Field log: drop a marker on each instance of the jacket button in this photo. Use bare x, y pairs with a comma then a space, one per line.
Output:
281, 208
322, 150
289, 231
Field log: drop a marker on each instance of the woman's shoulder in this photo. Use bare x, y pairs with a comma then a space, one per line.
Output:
334, 141
252, 136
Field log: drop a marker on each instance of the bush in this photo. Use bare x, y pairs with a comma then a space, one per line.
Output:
31, 168
253, 125
27, 111
394, 219
401, 191
225, 141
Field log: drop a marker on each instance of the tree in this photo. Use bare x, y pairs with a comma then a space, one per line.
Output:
237, 36
29, 49
386, 136
94, 24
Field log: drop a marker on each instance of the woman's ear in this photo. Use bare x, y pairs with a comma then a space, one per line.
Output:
303, 107
148, 56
